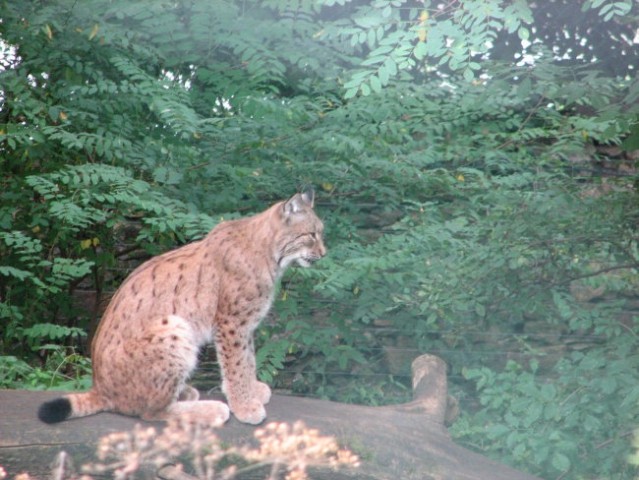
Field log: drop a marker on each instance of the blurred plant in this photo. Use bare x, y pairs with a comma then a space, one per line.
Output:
281, 449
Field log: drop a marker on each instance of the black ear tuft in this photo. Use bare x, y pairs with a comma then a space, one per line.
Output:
55, 411
299, 202
308, 195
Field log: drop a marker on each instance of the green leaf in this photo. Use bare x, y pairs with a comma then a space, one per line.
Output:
561, 462
420, 50
351, 92
469, 75
548, 392
383, 75
391, 66
14, 272
375, 83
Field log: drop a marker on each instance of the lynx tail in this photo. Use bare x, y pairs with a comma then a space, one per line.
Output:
55, 411
70, 406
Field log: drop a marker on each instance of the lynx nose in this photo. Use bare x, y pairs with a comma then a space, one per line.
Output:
321, 248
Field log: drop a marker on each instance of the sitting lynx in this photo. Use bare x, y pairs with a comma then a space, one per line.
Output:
216, 289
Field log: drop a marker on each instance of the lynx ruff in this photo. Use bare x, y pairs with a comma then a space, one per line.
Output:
216, 289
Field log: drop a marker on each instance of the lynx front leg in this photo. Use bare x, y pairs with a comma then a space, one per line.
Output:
260, 390
246, 396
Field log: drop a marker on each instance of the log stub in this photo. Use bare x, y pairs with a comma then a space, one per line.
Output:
430, 386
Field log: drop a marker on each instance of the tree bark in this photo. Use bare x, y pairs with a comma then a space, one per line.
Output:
400, 442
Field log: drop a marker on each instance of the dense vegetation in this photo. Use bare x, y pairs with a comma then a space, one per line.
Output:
475, 165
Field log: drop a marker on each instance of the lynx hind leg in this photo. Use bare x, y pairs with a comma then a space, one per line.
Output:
173, 349
204, 412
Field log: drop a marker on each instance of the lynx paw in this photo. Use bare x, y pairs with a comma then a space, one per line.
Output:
262, 392
219, 413
209, 412
252, 412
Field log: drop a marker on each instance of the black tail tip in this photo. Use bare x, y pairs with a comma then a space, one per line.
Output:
55, 411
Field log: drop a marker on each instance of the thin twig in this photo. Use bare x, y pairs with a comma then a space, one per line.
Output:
610, 440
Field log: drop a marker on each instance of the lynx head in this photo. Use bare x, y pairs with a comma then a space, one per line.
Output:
301, 240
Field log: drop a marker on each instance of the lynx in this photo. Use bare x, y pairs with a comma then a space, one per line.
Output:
215, 289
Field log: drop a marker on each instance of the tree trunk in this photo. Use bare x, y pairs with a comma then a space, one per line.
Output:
399, 442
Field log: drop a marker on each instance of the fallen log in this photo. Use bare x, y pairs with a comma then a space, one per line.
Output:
405, 442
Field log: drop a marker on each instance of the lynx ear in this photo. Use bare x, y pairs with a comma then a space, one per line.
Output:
299, 202
309, 197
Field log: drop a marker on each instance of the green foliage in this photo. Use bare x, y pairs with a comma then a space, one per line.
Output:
80, 214
471, 208
30, 283
562, 424
49, 332
397, 37
609, 10
61, 371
